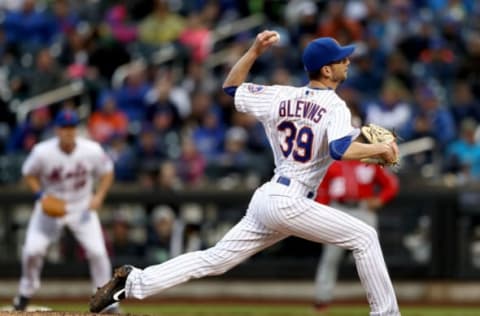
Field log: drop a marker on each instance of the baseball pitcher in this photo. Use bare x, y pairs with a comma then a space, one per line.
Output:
61, 172
307, 127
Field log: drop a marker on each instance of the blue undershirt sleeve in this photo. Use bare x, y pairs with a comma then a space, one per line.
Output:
339, 146
230, 90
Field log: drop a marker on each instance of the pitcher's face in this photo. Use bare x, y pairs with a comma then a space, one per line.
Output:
339, 70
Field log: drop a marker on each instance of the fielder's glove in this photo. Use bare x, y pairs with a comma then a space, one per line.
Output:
377, 134
53, 206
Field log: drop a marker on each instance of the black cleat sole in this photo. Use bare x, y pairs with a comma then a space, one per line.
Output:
104, 296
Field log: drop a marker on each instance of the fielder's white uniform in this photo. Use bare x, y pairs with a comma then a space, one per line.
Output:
71, 178
299, 123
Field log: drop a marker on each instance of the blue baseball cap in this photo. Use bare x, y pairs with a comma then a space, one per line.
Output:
323, 51
67, 118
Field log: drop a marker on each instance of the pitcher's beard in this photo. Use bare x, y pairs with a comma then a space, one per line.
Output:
338, 80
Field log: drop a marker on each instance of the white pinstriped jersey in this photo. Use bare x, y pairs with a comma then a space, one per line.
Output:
67, 176
299, 122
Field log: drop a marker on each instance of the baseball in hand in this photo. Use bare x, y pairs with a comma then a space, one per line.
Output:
277, 37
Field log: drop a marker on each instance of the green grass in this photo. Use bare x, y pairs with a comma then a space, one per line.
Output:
246, 309
300, 310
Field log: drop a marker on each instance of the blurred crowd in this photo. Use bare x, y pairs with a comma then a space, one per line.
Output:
169, 124
131, 234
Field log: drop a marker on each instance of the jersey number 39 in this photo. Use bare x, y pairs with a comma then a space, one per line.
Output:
297, 142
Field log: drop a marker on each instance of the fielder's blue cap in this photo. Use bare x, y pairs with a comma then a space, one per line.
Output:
66, 118
323, 51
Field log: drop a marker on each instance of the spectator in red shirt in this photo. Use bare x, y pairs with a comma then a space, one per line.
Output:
108, 121
359, 189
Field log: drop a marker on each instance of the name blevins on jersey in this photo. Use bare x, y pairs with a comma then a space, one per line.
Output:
301, 109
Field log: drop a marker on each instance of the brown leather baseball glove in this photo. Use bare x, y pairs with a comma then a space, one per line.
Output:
377, 134
53, 206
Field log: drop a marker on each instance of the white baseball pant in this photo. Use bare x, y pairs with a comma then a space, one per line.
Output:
43, 230
327, 269
275, 212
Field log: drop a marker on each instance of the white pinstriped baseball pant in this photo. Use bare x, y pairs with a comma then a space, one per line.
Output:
43, 230
277, 211
329, 264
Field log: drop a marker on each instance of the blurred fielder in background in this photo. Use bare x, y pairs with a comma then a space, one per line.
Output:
308, 127
61, 172
359, 189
